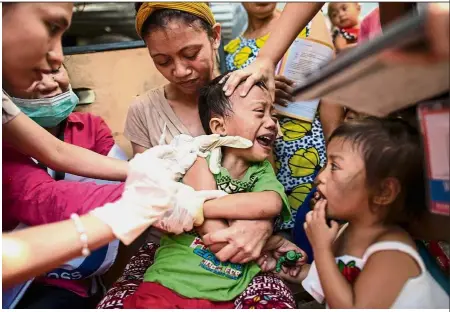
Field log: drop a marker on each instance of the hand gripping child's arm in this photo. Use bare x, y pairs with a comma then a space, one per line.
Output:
200, 178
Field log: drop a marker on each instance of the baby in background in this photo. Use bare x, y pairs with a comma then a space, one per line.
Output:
185, 273
344, 16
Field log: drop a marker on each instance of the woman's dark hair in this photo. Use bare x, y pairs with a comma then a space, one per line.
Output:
213, 102
390, 147
160, 19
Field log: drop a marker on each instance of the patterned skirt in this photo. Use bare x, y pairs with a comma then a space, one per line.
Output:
266, 291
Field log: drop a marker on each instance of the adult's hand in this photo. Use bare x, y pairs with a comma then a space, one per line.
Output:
438, 36
284, 88
245, 238
211, 226
262, 69
275, 248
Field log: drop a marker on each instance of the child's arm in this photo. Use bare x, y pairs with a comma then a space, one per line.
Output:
200, 178
210, 226
244, 206
266, 200
376, 287
340, 43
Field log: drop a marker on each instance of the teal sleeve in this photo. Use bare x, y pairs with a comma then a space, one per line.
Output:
267, 181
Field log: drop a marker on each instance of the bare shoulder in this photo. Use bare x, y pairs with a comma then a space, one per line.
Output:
404, 262
396, 234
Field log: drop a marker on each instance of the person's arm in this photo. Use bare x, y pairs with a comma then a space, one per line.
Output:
33, 251
331, 116
210, 226
137, 149
244, 206
200, 178
31, 139
137, 129
34, 197
293, 19
244, 238
340, 43
104, 140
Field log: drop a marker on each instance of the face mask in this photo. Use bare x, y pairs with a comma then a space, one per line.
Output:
48, 112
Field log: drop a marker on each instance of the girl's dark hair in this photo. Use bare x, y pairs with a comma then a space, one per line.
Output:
213, 102
160, 19
390, 147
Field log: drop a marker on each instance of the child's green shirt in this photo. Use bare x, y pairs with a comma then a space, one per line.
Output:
186, 266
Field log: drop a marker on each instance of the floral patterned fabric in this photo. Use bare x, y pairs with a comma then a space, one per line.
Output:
241, 52
266, 291
300, 153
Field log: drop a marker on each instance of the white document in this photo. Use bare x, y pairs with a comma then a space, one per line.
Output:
303, 57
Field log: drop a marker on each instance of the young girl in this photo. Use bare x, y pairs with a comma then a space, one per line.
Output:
373, 180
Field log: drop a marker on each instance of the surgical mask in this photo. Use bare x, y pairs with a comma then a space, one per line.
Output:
48, 112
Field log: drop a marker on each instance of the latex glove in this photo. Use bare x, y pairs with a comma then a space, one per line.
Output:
211, 144
150, 191
187, 148
188, 209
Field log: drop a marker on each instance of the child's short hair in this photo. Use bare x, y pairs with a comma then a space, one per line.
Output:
213, 102
390, 147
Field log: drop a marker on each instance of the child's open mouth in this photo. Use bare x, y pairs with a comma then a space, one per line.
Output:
266, 140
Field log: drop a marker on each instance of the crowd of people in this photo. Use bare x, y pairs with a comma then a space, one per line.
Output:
219, 186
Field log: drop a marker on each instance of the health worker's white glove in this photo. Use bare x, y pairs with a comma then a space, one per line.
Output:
188, 209
150, 191
205, 145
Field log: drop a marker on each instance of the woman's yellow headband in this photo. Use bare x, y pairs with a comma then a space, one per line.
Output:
199, 9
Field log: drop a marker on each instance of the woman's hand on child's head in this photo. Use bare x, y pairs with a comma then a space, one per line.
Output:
261, 69
320, 235
284, 88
